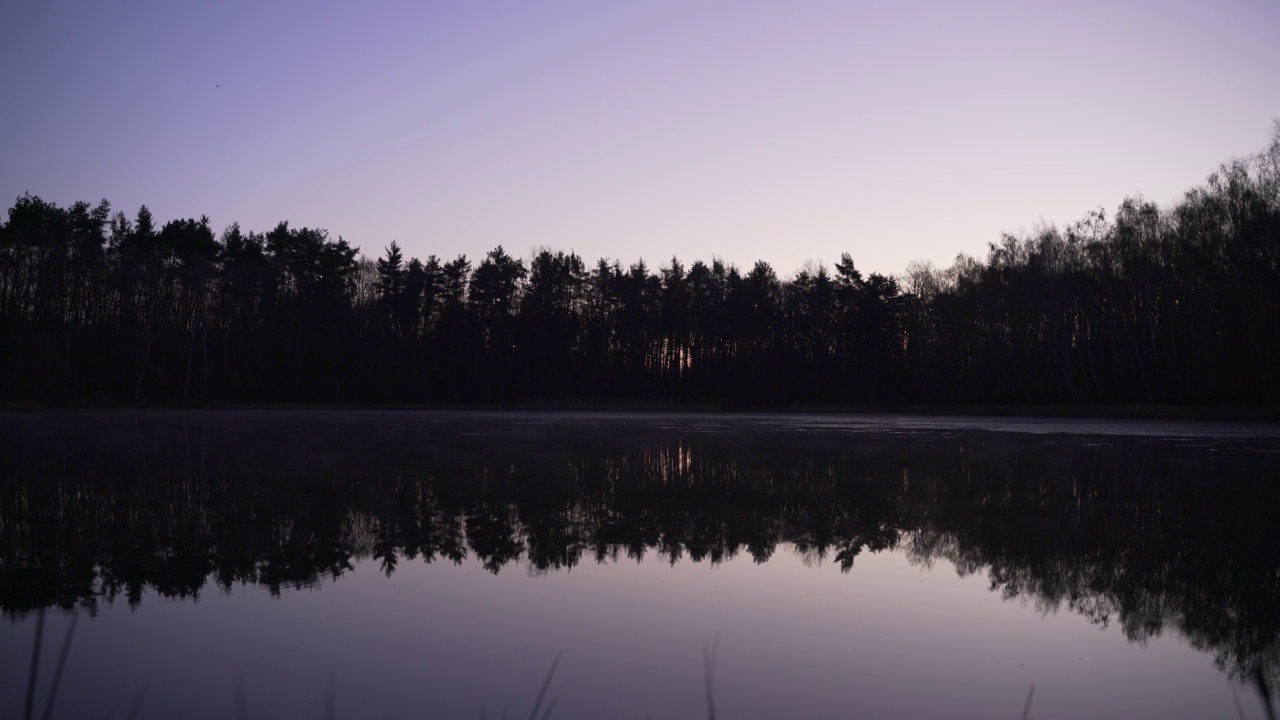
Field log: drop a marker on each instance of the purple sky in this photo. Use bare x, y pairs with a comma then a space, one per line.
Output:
785, 131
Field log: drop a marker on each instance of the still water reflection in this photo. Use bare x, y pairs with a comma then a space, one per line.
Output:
363, 564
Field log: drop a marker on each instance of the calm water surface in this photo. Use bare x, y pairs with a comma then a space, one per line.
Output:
394, 564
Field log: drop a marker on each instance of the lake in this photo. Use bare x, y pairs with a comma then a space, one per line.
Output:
370, 564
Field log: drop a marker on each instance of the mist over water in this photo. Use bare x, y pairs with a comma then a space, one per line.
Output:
410, 564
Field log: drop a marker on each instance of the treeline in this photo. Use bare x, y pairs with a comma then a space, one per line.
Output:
1151, 305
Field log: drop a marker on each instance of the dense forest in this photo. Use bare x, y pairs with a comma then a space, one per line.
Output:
1152, 304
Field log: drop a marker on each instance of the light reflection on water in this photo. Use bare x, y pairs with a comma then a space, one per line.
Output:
843, 571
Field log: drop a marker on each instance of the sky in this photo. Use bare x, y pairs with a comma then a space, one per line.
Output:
784, 131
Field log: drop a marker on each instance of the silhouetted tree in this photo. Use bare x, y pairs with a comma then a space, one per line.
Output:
1148, 305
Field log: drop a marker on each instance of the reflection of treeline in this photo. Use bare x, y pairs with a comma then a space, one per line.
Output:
1153, 536
1150, 305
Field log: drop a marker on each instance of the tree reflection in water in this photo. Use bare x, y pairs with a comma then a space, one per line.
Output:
1148, 534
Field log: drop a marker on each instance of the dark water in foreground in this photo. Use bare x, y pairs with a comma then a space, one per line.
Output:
386, 564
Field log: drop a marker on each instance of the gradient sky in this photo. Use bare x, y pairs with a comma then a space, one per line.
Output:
786, 131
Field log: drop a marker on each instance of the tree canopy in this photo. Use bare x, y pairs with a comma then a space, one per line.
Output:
1148, 304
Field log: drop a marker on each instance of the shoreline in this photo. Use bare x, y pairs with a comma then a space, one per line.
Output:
1188, 413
